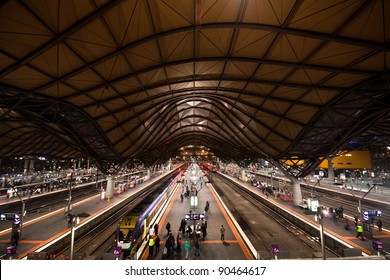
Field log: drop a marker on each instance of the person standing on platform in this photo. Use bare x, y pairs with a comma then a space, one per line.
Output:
168, 246
183, 224
15, 236
379, 224
157, 244
187, 248
222, 233
178, 246
151, 231
156, 229
69, 218
335, 217
197, 247
168, 228
204, 230
178, 236
151, 247
359, 232
356, 220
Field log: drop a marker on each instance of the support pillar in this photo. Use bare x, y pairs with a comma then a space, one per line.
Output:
148, 175
54, 168
31, 167
243, 175
330, 170
110, 186
297, 193
26, 164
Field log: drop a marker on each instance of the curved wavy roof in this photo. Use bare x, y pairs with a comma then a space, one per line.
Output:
121, 79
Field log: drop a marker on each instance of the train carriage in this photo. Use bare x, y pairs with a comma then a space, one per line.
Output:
132, 230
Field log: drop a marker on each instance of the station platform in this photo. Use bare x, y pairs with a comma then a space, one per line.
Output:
211, 247
40, 229
330, 227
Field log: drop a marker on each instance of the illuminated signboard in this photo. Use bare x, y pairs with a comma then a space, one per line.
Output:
193, 217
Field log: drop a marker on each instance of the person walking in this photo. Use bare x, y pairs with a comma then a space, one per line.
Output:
187, 247
208, 207
222, 233
197, 247
359, 231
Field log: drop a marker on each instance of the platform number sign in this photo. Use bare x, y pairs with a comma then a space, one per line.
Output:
377, 245
117, 251
275, 249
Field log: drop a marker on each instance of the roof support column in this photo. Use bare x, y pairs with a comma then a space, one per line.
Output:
148, 175
26, 164
243, 175
330, 170
297, 192
31, 168
110, 186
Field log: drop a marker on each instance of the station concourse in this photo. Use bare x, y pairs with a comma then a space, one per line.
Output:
211, 247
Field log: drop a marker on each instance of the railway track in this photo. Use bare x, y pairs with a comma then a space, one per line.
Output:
350, 206
263, 226
335, 200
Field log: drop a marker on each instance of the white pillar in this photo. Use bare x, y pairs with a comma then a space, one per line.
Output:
110, 186
26, 163
297, 193
148, 174
330, 170
243, 175
31, 167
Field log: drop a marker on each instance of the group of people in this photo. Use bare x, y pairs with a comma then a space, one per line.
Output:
336, 214
174, 245
360, 229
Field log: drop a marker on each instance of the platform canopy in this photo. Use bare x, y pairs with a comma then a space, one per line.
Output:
125, 79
